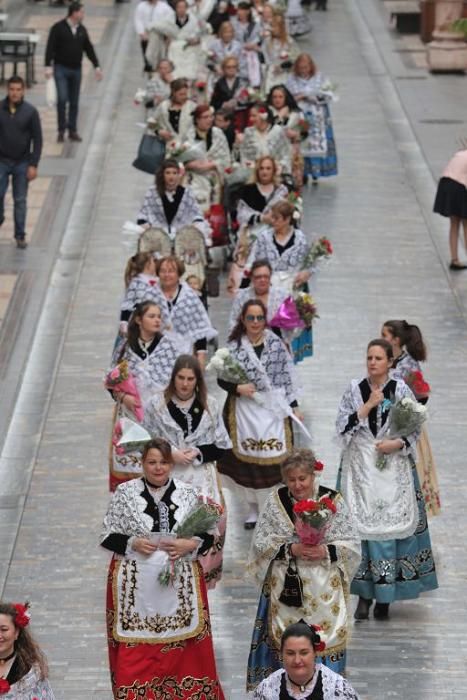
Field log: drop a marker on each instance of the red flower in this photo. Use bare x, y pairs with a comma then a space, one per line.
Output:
327, 245
319, 466
417, 383
330, 505
200, 85
152, 282
4, 686
22, 617
305, 506
321, 646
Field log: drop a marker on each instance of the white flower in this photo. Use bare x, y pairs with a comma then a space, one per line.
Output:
296, 215
223, 353
216, 363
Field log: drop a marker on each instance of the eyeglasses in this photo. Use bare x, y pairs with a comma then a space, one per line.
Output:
252, 317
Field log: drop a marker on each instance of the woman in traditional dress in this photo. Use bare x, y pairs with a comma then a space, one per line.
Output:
286, 249
151, 357
302, 678
205, 172
170, 207
397, 561
264, 138
225, 45
23, 666
248, 32
227, 90
140, 281
451, 202
183, 313
287, 114
260, 288
260, 429
254, 212
409, 350
158, 86
325, 570
185, 46
280, 52
159, 636
313, 96
172, 118
190, 420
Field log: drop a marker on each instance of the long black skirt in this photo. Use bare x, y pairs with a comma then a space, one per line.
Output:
451, 199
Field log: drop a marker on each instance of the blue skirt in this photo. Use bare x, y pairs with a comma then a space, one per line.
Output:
398, 569
323, 166
303, 345
264, 656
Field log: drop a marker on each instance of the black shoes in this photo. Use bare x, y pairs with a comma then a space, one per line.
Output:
363, 608
456, 265
21, 243
74, 136
381, 611
60, 137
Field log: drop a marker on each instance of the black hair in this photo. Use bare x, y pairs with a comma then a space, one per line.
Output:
301, 629
410, 336
384, 344
15, 80
74, 7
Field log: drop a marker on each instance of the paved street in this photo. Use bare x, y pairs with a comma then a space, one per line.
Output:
395, 126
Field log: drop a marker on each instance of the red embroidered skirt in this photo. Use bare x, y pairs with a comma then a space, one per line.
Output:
181, 670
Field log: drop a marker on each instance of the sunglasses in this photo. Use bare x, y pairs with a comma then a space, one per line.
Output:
251, 317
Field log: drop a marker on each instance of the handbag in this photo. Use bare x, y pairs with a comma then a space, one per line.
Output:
151, 154
292, 592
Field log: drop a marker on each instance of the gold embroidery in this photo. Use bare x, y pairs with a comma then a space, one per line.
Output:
262, 445
170, 687
189, 589
335, 608
232, 430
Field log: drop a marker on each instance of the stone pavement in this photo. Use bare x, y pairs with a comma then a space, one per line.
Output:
389, 262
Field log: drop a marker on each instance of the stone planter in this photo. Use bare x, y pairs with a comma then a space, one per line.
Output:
447, 53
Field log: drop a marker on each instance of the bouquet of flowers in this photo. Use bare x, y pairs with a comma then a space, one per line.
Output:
227, 368
321, 248
248, 95
129, 436
297, 202
140, 96
329, 90
405, 416
306, 308
184, 152
204, 517
287, 316
312, 519
302, 128
416, 381
119, 379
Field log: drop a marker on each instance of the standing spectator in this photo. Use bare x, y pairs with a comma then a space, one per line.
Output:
20, 152
451, 201
67, 41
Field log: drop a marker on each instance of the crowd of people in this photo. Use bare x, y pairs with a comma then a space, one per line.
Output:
241, 116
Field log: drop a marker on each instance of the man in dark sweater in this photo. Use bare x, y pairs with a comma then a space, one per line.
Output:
20, 152
68, 40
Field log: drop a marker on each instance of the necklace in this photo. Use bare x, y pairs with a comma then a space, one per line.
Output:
301, 686
7, 658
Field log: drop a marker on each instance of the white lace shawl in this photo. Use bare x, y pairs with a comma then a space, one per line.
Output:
334, 686
245, 212
272, 142
188, 317
290, 260
141, 288
153, 373
211, 428
274, 528
272, 371
219, 151
126, 512
161, 115
309, 87
30, 687
404, 367
275, 298
352, 401
188, 212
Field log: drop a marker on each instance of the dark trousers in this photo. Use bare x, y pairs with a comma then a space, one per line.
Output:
68, 82
18, 172
144, 46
